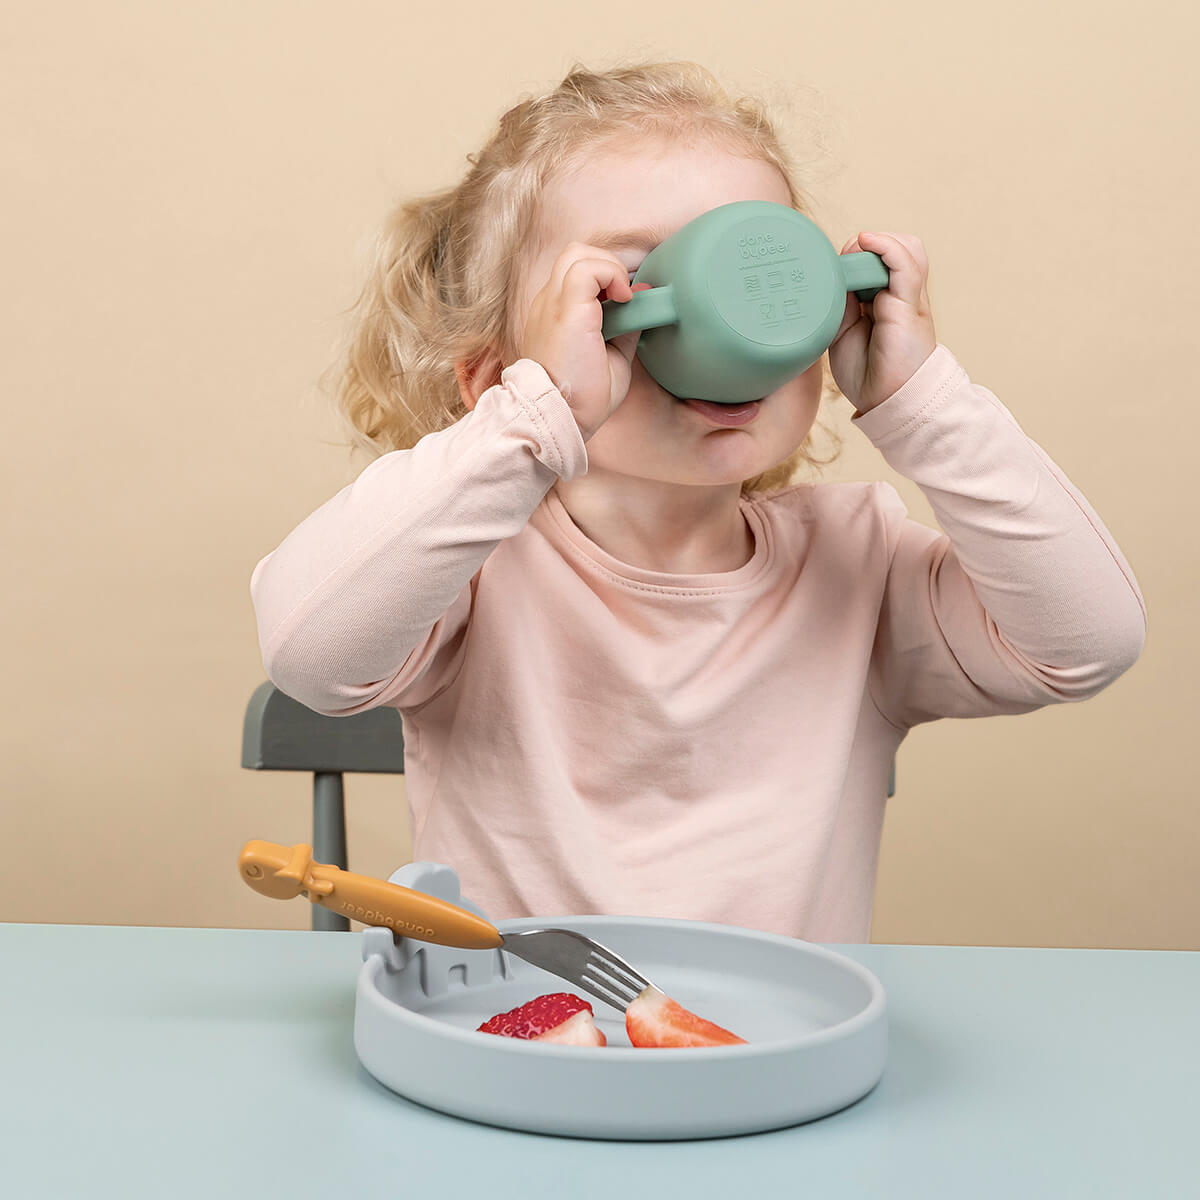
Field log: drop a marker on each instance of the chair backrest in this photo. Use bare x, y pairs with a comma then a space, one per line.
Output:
281, 734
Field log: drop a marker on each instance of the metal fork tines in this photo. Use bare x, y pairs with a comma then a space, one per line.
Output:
581, 961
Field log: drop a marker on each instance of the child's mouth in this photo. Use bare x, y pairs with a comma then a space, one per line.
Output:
724, 414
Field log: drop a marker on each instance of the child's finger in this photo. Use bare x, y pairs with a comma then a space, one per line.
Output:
915, 247
906, 279
585, 278
581, 272
627, 342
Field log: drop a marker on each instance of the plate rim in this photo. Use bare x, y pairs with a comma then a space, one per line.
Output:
873, 1011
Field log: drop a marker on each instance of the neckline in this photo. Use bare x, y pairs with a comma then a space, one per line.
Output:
641, 578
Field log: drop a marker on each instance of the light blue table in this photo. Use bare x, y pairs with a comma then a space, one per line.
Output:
205, 1062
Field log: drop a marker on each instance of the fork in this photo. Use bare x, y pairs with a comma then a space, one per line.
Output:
283, 872
580, 960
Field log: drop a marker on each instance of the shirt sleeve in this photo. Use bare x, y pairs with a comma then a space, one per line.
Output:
1024, 599
367, 601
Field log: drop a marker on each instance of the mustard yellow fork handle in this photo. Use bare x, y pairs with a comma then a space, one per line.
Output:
283, 872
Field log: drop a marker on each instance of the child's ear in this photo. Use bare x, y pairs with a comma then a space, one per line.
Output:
476, 375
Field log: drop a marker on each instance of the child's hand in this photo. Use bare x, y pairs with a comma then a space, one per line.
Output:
881, 343
562, 333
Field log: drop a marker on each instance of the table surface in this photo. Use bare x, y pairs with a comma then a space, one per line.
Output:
187, 1062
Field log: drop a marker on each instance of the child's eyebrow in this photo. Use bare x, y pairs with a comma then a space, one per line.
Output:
642, 238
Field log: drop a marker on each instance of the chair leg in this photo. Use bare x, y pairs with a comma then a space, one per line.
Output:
329, 838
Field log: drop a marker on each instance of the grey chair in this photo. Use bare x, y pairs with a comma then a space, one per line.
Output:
281, 734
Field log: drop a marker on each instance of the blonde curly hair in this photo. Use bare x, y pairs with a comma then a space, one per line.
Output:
446, 266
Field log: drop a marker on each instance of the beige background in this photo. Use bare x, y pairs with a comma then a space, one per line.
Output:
189, 190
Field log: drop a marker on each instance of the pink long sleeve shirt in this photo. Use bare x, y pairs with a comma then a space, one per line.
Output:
586, 736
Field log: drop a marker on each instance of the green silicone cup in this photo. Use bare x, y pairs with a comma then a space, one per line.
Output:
743, 298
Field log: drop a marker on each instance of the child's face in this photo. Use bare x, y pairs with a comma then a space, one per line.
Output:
652, 435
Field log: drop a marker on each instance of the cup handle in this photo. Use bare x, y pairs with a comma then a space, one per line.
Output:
643, 310
864, 274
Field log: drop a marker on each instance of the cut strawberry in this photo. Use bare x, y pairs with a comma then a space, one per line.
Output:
654, 1019
556, 1017
579, 1030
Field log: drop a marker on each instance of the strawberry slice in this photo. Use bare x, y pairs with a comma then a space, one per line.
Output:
556, 1017
654, 1019
579, 1030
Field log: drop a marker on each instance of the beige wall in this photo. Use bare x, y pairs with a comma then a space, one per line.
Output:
188, 193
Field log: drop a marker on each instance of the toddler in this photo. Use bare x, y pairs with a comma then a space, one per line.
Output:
640, 669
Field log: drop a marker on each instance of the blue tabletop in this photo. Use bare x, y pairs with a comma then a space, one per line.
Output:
191, 1062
